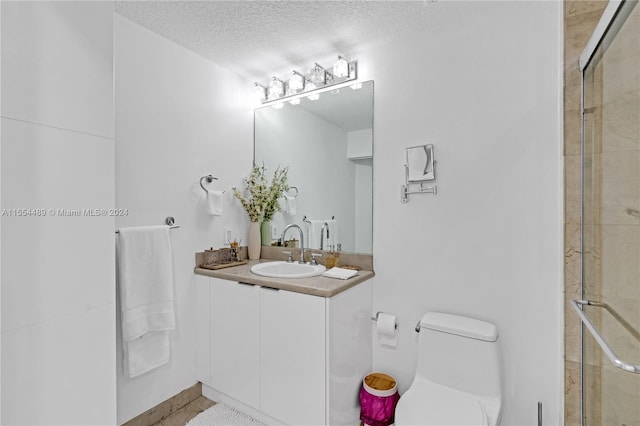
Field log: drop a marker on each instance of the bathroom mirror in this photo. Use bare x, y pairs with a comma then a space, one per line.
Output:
327, 143
420, 164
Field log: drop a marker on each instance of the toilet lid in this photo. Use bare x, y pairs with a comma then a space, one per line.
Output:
444, 407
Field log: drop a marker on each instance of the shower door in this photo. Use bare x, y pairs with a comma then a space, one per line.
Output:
610, 308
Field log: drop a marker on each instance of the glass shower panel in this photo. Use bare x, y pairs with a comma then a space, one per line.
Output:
611, 221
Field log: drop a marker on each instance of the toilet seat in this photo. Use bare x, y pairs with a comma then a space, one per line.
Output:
430, 404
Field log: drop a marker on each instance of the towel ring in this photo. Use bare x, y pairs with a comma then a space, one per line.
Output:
209, 178
296, 189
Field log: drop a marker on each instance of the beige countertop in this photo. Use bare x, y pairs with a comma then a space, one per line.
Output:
316, 286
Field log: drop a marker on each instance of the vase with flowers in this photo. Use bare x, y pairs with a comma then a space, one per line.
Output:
261, 203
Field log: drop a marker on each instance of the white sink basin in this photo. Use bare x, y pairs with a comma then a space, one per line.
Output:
282, 269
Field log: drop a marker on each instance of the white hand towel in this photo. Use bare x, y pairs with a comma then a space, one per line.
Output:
314, 227
340, 273
290, 204
215, 202
145, 276
334, 235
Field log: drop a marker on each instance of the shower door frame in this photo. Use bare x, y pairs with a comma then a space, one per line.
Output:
606, 23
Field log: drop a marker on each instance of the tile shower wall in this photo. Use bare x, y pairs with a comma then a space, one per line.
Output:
58, 287
178, 117
580, 19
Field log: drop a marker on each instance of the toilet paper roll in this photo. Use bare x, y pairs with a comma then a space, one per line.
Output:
386, 327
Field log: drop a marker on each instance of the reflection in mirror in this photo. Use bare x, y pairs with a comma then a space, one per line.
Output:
420, 163
328, 146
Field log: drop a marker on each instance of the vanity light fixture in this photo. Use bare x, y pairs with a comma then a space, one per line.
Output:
314, 96
296, 82
311, 86
276, 88
259, 92
341, 67
300, 85
318, 74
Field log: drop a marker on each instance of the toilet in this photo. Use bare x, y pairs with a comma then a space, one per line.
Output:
457, 379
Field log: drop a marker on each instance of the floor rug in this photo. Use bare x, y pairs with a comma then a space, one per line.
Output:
223, 415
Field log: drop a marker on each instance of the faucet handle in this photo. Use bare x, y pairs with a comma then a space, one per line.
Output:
289, 259
313, 258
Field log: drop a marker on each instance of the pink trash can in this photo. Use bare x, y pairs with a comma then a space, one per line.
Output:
378, 399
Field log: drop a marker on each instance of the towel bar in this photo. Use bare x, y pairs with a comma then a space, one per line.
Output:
615, 360
304, 219
169, 220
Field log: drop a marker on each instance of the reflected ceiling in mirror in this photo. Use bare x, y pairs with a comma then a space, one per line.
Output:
327, 144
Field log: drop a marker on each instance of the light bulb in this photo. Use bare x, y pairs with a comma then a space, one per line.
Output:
318, 74
259, 92
276, 88
296, 82
295, 101
341, 67
311, 87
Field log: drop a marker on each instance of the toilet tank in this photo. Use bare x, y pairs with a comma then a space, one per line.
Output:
461, 353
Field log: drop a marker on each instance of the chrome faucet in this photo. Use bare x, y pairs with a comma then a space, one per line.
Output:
293, 225
324, 226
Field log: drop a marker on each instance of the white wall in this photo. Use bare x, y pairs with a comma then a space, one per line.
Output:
178, 118
58, 285
486, 91
360, 144
0, 220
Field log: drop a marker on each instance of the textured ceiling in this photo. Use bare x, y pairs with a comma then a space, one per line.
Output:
258, 39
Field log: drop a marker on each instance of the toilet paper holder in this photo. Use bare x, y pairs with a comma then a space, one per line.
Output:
375, 319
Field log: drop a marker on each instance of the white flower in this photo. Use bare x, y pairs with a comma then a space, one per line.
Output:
263, 199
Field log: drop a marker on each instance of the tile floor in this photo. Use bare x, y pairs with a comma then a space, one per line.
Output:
175, 411
182, 416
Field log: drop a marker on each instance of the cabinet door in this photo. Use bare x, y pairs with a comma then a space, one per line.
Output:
203, 328
292, 361
235, 340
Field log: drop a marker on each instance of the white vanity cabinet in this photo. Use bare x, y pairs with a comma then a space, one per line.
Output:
234, 340
281, 356
292, 356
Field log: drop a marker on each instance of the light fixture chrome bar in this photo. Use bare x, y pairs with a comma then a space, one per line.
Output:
300, 95
330, 81
615, 359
